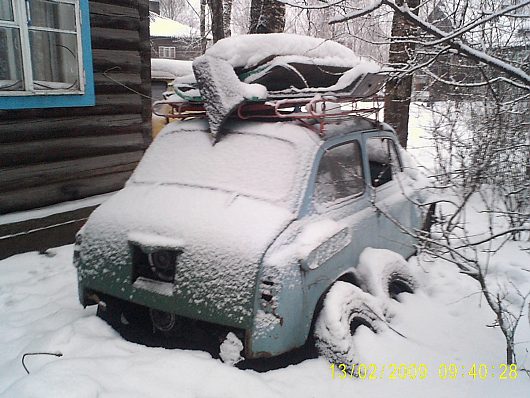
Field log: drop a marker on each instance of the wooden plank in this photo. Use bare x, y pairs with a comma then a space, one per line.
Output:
25, 153
42, 233
113, 60
27, 129
31, 198
47, 173
115, 39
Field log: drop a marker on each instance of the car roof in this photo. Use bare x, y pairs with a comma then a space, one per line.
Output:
291, 131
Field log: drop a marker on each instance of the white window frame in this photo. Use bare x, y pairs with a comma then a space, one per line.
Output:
169, 49
21, 23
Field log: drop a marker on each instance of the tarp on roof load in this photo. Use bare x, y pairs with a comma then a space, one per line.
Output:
278, 65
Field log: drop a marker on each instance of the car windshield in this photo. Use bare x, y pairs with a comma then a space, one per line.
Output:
246, 164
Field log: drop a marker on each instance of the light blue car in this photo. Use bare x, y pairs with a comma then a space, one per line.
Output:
250, 234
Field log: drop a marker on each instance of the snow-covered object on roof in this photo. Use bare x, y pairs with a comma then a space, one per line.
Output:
248, 51
222, 90
165, 27
169, 68
276, 66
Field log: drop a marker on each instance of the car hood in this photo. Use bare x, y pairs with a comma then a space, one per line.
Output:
223, 236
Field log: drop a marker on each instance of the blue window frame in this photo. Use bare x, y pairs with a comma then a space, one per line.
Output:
45, 54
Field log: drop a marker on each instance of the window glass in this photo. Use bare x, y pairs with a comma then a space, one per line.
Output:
11, 77
166, 52
383, 160
50, 14
6, 10
54, 60
340, 173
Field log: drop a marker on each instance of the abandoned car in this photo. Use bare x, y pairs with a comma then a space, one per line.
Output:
251, 230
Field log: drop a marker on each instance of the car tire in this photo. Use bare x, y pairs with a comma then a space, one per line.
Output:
390, 280
122, 315
345, 309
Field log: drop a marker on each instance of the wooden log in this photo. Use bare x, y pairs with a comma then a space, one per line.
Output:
16, 154
115, 39
105, 20
145, 55
109, 102
31, 198
42, 233
22, 130
123, 3
120, 84
116, 61
47, 173
111, 9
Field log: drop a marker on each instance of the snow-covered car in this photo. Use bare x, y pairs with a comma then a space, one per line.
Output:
250, 233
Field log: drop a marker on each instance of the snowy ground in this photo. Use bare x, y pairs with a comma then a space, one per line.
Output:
446, 322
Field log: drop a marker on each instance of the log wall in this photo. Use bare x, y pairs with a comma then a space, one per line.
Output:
55, 155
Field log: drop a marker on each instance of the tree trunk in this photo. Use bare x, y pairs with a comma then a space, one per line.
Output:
398, 91
202, 27
216, 9
267, 16
227, 17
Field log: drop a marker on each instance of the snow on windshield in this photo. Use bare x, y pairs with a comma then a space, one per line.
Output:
249, 50
242, 163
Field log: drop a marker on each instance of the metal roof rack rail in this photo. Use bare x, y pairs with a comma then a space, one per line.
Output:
311, 107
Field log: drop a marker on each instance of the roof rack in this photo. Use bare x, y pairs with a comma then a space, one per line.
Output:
316, 106
314, 112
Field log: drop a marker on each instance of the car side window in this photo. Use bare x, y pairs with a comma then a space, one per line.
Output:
340, 173
383, 160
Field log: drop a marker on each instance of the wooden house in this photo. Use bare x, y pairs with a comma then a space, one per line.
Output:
173, 40
74, 112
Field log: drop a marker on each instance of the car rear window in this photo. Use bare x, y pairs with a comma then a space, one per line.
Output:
246, 164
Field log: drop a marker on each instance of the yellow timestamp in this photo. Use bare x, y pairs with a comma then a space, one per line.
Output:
413, 371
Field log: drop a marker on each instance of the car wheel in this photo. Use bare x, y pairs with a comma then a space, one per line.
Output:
122, 315
346, 309
388, 280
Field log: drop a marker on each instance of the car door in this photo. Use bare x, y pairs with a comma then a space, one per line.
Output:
341, 220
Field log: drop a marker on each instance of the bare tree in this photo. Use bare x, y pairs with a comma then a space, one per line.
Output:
216, 11
202, 25
267, 16
399, 89
227, 17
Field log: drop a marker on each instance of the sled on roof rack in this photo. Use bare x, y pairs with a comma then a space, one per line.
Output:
283, 84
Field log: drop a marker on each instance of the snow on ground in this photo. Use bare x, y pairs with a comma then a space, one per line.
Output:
444, 323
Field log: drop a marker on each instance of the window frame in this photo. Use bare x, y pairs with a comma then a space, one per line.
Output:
169, 49
27, 98
340, 201
394, 168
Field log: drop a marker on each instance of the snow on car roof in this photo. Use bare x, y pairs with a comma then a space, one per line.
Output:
291, 131
247, 51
